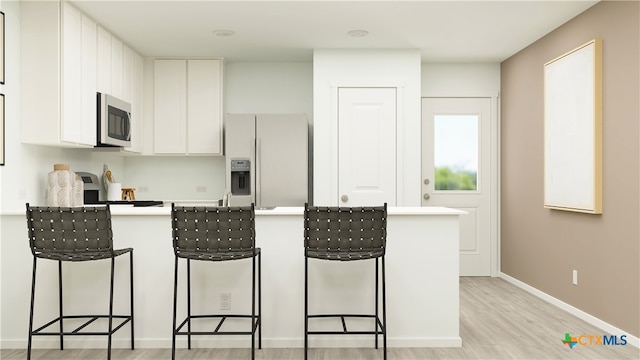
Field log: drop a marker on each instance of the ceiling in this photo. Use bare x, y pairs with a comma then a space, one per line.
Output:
443, 31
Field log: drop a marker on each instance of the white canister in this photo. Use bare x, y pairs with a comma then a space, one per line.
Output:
114, 192
60, 184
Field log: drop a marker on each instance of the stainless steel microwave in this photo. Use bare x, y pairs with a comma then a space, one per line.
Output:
114, 121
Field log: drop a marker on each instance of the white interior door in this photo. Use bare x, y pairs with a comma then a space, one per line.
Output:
456, 172
366, 146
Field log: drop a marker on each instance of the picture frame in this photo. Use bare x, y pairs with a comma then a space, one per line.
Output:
573, 130
2, 47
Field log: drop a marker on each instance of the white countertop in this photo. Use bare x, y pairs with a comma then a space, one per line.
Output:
124, 210
129, 210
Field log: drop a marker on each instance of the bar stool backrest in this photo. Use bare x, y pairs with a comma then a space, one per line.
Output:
201, 229
335, 232
69, 229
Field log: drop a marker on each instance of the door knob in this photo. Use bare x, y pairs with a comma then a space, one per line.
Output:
344, 198
426, 196
426, 181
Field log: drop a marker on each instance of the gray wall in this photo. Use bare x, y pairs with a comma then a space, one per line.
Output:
539, 246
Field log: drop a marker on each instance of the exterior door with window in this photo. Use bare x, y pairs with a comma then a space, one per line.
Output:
456, 172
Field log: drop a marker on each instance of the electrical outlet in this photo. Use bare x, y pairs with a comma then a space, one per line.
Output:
575, 277
225, 301
143, 188
201, 188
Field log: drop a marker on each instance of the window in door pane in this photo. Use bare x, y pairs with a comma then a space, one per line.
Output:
456, 152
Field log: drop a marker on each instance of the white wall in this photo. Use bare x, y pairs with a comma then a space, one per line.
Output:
460, 79
268, 88
366, 68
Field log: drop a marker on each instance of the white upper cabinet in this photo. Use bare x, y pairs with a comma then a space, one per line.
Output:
104, 60
133, 93
111, 65
204, 107
117, 67
89, 80
127, 74
58, 72
169, 106
188, 106
120, 74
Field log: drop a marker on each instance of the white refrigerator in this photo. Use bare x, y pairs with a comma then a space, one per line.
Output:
267, 159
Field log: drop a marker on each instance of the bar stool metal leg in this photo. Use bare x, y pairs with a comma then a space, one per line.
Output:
306, 305
109, 336
175, 302
253, 307
376, 318
384, 310
33, 293
189, 303
259, 300
131, 292
60, 302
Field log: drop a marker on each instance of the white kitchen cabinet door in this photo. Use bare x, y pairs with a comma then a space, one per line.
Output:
78, 112
117, 68
137, 112
127, 74
104, 60
89, 78
187, 107
169, 105
204, 107
367, 146
111, 65
71, 112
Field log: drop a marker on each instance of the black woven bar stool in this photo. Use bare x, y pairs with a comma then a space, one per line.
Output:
346, 234
215, 234
75, 234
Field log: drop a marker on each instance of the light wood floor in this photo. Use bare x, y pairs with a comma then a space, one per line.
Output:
497, 321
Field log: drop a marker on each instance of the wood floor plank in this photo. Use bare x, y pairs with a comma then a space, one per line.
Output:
497, 321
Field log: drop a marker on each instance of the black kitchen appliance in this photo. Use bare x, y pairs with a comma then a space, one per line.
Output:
91, 187
92, 193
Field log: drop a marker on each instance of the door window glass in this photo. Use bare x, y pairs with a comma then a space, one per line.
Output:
456, 152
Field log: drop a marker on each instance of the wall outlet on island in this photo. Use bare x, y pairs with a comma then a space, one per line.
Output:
225, 301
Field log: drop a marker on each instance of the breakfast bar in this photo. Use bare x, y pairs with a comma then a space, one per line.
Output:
422, 264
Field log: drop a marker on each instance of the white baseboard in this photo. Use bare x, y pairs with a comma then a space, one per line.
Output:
610, 329
235, 342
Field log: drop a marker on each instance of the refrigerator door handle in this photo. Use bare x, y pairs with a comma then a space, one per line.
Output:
258, 165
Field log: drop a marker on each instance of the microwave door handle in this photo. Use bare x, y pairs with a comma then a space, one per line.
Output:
126, 127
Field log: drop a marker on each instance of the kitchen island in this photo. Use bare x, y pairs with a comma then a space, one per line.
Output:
422, 283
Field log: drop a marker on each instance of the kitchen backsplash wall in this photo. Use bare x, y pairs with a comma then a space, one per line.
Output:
24, 177
175, 177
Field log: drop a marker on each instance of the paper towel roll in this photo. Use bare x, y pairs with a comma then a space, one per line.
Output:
115, 192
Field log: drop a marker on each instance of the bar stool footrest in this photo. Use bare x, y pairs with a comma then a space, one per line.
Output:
379, 328
256, 322
79, 329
